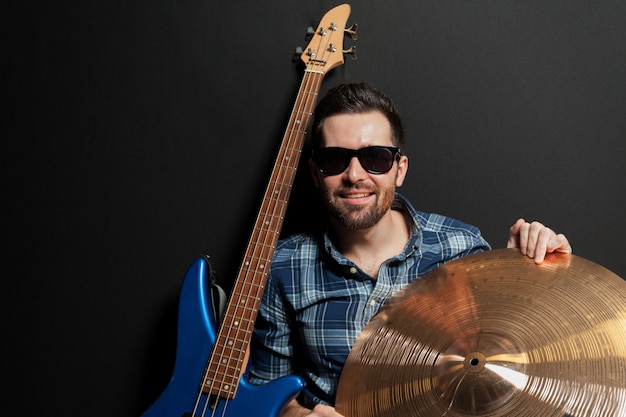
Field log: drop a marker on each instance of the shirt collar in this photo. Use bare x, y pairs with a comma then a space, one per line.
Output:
399, 203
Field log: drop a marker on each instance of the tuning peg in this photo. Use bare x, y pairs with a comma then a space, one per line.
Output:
297, 53
351, 51
351, 31
309, 33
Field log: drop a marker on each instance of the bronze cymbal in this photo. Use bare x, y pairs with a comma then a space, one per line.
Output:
494, 334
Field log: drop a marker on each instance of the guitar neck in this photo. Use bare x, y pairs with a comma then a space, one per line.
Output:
228, 358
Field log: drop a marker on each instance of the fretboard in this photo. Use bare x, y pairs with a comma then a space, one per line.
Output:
229, 355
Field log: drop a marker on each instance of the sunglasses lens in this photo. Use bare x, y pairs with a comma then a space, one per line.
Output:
376, 160
332, 161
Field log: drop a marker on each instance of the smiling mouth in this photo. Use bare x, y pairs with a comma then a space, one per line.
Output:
357, 198
356, 195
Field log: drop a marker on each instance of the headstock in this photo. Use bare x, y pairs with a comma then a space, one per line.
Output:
325, 49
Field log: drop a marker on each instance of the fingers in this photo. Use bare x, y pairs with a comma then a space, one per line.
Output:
559, 244
535, 240
514, 234
324, 411
537, 244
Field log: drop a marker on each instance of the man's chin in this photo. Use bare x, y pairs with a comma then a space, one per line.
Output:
352, 220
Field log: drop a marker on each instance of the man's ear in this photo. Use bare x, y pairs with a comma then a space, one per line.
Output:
403, 168
314, 173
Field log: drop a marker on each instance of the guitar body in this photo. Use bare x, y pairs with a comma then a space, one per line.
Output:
197, 329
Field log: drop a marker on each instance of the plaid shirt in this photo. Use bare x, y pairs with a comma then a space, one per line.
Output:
316, 301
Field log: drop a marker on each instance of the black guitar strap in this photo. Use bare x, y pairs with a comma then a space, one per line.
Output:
218, 295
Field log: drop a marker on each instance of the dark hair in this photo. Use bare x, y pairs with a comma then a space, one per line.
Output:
356, 98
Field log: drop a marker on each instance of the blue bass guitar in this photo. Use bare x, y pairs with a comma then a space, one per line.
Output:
197, 332
209, 374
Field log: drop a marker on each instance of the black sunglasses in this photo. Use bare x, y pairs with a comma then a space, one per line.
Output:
374, 159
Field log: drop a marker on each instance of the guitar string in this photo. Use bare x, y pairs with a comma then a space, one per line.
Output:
297, 131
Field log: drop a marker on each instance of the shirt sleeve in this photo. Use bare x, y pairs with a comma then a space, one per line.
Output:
444, 239
272, 347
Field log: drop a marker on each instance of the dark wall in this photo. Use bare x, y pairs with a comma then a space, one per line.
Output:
139, 135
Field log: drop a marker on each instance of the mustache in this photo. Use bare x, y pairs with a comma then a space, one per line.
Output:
355, 187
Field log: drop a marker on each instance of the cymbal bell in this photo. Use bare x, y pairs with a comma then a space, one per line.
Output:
494, 334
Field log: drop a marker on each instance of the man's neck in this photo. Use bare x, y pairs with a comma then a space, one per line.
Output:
369, 248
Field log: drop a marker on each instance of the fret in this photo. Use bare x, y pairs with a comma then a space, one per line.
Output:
253, 297
224, 379
255, 262
267, 233
226, 368
279, 193
260, 274
290, 164
225, 373
265, 255
259, 258
270, 221
235, 342
291, 150
234, 324
257, 265
270, 216
260, 265
229, 358
297, 130
301, 116
251, 285
232, 349
262, 256
248, 310
252, 308
262, 246
286, 185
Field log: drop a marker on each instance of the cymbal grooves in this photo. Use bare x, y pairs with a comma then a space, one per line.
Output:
494, 334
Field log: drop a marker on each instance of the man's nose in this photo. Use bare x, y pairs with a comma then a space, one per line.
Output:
355, 171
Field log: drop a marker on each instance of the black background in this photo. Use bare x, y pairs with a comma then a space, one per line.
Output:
140, 135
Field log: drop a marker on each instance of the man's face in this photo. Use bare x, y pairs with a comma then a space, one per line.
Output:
355, 198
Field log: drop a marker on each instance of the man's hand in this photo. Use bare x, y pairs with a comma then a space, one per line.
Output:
294, 409
536, 240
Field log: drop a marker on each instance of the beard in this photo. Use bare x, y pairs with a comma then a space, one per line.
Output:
358, 217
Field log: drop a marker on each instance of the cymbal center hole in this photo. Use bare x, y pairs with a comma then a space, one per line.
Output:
475, 362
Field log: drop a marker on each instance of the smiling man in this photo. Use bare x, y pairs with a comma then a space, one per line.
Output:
324, 287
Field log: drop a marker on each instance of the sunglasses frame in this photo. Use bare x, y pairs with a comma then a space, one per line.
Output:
351, 153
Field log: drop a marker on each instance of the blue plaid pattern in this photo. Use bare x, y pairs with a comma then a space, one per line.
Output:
316, 301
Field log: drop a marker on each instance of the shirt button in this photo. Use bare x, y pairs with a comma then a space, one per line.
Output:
353, 270
372, 303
